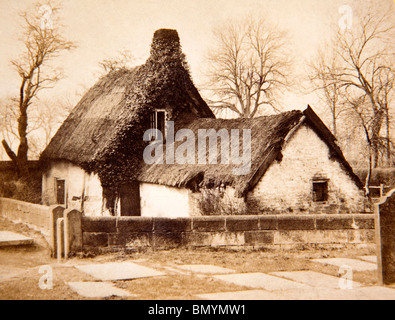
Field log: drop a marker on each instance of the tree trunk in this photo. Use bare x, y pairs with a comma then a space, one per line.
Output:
367, 180
388, 137
334, 110
22, 131
334, 123
20, 160
21, 167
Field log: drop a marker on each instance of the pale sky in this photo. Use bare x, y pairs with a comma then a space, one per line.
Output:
102, 28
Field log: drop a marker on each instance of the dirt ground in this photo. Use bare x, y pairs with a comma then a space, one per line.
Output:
20, 269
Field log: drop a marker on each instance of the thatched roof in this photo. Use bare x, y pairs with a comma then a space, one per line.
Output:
99, 118
267, 138
104, 131
91, 123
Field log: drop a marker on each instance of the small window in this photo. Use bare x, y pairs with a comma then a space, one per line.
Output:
158, 121
320, 191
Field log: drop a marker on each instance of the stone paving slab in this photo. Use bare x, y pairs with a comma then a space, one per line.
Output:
307, 293
8, 272
356, 265
241, 295
260, 281
98, 290
175, 270
362, 293
314, 279
204, 268
372, 259
8, 238
118, 271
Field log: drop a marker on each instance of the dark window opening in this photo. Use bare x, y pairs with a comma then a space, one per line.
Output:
158, 121
320, 191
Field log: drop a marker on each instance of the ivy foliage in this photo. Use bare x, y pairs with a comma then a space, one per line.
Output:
161, 83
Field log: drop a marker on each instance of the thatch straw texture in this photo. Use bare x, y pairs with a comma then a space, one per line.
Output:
91, 123
267, 136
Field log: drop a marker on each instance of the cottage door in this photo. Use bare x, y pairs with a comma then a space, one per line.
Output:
130, 199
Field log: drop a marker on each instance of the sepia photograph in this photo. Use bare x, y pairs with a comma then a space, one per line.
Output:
195, 157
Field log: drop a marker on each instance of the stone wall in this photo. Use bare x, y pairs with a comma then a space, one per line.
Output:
114, 233
385, 238
35, 216
101, 234
287, 186
60, 227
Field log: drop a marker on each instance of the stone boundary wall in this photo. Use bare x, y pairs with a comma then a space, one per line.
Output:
34, 215
113, 233
60, 227
385, 238
68, 232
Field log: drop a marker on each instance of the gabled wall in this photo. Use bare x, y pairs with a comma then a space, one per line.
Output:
287, 186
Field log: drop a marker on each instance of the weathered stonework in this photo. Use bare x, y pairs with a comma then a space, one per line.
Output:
234, 231
385, 238
287, 186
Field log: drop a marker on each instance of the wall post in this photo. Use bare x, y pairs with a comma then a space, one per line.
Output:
55, 212
385, 238
72, 232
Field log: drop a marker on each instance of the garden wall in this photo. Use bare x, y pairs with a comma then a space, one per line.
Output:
112, 233
34, 215
60, 227
68, 232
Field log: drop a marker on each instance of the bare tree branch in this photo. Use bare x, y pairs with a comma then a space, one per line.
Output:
248, 67
42, 44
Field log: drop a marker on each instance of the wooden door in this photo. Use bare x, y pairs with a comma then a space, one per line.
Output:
60, 191
130, 199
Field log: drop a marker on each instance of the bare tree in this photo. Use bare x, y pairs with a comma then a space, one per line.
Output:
367, 54
43, 41
8, 121
325, 68
364, 75
248, 67
386, 79
45, 117
124, 59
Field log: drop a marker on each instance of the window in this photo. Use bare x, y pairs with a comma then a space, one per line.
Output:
158, 121
320, 190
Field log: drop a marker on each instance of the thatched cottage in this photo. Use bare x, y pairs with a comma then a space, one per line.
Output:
97, 160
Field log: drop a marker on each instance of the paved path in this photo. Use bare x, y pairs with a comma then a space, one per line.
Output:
289, 285
305, 285
131, 279
8, 238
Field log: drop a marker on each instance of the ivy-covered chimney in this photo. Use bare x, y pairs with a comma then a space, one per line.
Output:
166, 42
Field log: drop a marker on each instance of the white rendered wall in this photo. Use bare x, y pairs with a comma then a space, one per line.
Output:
163, 201
78, 184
